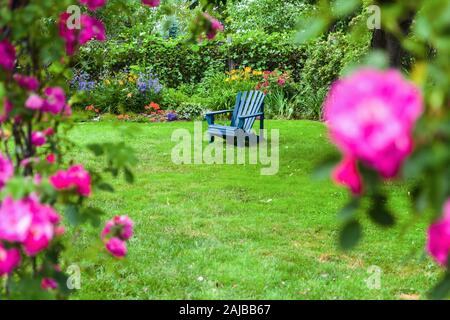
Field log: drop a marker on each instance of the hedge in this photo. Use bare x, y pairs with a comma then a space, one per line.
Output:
176, 62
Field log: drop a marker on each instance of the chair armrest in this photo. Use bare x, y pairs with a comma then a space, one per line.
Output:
217, 112
251, 115
243, 118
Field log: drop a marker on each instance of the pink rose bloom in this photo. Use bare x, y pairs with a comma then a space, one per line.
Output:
93, 4
42, 227
91, 29
9, 260
69, 35
438, 242
34, 102
38, 138
346, 173
116, 247
76, 177
214, 26
120, 226
51, 158
371, 115
151, 3
29, 83
49, 284
49, 131
281, 81
15, 219
6, 170
56, 100
7, 108
7, 55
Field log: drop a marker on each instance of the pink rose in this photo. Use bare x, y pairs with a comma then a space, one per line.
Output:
151, 3
91, 29
34, 102
438, 242
93, 4
7, 108
371, 115
69, 35
75, 177
56, 100
42, 227
15, 219
38, 138
49, 284
6, 170
49, 131
29, 83
7, 55
116, 247
9, 260
51, 158
120, 226
346, 173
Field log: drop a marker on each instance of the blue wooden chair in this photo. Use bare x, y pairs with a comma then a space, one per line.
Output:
249, 106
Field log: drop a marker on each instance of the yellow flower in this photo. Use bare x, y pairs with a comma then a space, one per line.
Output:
248, 69
233, 71
107, 82
121, 82
234, 78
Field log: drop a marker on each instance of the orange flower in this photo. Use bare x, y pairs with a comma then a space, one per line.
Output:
89, 108
154, 106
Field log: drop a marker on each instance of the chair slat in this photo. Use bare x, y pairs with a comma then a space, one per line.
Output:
256, 108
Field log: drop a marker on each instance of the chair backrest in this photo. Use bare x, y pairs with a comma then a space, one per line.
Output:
247, 103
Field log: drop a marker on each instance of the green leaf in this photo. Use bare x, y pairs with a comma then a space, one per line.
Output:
350, 235
324, 169
342, 8
72, 214
379, 213
96, 149
129, 176
105, 187
348, 212
442, 289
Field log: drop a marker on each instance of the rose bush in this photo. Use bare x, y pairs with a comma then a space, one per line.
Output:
40, 190
387, 127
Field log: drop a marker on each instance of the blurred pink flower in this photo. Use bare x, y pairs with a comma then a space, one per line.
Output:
9, 260
438, 243
38, 138
7, 55
91, 28
15, 219
75, 177
51, 158
42, 227
49, 284
49, 131
214, 26
69, 35
116, 247
34, 102
7, 108
371, 115
346, 173
56, 100
6, 170
93, 4
27, 82
120, 226
151, 3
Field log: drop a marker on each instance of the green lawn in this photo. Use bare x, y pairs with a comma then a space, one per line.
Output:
226, 232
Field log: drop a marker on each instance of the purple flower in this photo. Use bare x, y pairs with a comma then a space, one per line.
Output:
172, 116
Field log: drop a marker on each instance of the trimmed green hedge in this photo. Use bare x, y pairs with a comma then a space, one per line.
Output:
177, 62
